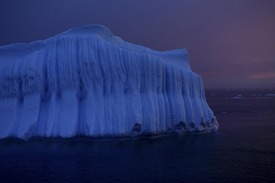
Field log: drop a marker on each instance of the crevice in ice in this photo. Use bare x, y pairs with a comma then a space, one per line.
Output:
192, 125
136, 130
180, 128
29, 133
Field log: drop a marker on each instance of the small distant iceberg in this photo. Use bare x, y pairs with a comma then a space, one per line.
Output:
270, 95
237, 97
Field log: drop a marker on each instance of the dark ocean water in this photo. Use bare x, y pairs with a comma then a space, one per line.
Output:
243, 150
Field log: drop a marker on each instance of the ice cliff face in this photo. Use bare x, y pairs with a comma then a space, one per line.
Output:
88, 82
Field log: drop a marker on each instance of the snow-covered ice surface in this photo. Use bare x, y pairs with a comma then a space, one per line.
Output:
87, 82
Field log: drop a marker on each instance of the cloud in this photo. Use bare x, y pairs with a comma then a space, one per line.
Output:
265, 75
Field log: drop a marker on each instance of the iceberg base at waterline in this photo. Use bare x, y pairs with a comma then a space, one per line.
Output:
88, 82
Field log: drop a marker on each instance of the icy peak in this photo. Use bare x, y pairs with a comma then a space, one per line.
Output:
89, 30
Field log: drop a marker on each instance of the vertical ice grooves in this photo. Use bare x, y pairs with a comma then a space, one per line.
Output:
86, 85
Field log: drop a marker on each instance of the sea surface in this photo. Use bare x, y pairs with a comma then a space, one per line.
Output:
243, 150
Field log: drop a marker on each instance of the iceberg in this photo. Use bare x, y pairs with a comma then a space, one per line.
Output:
88, 82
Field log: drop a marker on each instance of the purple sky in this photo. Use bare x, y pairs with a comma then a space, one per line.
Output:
231, 43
